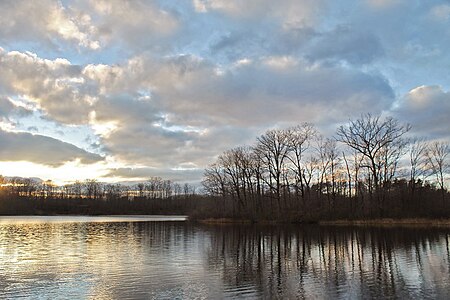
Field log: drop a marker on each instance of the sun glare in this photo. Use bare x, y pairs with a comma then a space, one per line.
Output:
67, 173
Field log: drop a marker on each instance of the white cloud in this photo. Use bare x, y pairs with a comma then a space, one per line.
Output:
290, 13
441, 12
53, 84
135, 23
142, 173
192, 113
88, 25
427, 108
200, 6
45, 21
280, 62
382, 4
185, 92
175, 83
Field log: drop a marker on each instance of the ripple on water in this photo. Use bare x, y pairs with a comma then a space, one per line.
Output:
177, 260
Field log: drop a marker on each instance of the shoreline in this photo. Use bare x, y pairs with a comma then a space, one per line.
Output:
410, 222
385, 222
379, 222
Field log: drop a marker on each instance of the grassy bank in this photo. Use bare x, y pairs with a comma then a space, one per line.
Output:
410, 222
391, 222
223, 221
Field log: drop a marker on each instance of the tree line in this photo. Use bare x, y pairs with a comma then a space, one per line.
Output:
370, 168
154, 196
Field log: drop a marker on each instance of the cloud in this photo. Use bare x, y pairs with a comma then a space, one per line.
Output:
8, 108
383, 4
441, 12
177, 175
55, 85
85, 24
136, 24
267, 91
288, 12
183, 109
173, 84
346, 43
186, 110
45, 21
11, 111
427, 108
21, 146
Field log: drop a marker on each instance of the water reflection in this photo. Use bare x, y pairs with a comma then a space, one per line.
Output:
167, 260
333, 262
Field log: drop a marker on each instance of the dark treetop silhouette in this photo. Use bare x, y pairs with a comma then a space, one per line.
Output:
370, 169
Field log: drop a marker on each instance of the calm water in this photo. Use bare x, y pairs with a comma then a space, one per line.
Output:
140, 258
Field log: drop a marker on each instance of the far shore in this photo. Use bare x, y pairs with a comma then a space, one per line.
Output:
417, 222
383, 222
420, 222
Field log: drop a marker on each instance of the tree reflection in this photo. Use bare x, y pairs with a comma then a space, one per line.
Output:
173, 260
300, 262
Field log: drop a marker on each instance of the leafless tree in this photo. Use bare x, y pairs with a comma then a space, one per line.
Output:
177, 189
237, 166
372, 137
141, 187
417, 154
92, 188
328, 166
438, 163
273, 147
299, 138
389, 158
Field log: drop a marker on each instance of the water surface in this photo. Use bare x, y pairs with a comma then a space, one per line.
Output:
89, 219
157, 258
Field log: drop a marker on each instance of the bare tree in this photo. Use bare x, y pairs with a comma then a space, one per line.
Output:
299, 138
417, 153
389, 159
92, 188
232, 163
177, 189
324, 162
273, 147
141, 187
214, 181
438, 164
370, 136
309, 169
349, 175
328, 166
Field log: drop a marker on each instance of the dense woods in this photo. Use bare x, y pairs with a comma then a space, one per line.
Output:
371, 168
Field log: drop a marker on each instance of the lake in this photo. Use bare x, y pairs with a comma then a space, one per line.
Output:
166, 258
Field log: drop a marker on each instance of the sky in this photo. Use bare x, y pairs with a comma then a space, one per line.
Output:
125, 90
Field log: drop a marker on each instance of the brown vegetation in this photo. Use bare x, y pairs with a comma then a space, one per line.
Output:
295, 174
25, 196
370, 170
